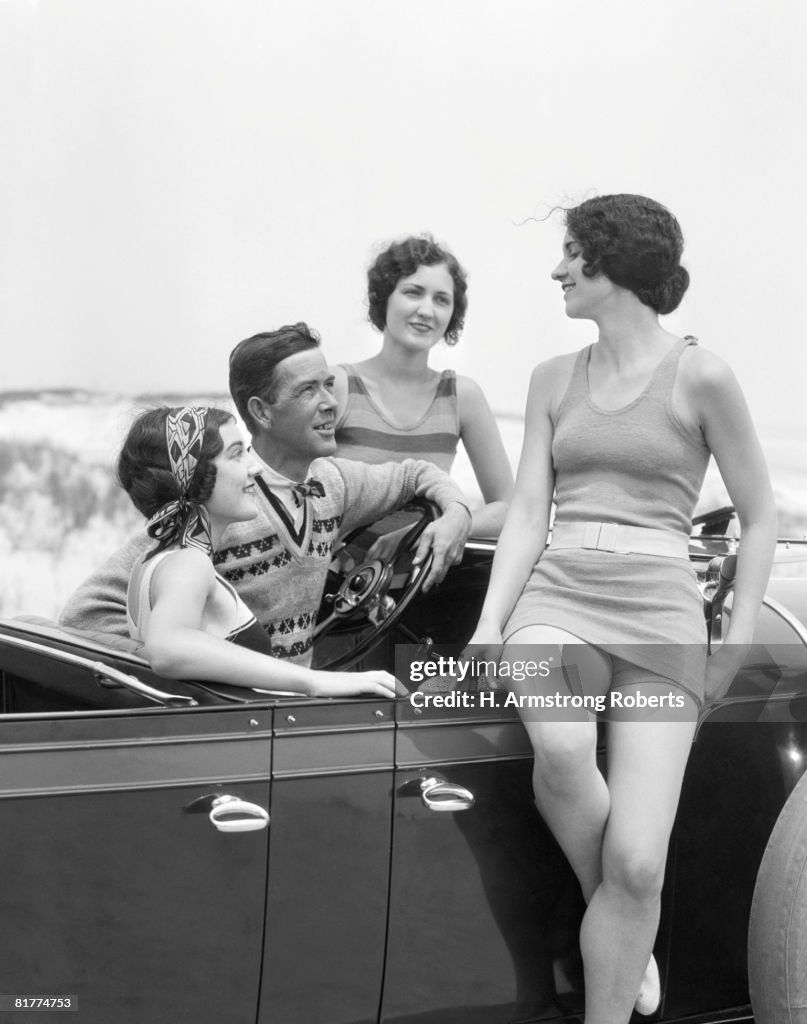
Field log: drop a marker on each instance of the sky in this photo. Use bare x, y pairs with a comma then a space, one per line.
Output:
179, 174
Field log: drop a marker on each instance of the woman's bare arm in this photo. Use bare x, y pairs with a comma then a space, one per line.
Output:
480, 435
729, 432
177, 647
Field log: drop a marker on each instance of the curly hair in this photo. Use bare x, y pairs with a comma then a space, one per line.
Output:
254, 361
636, 243
144, 469
401, 259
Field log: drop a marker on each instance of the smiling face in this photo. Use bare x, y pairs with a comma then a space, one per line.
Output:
420, 307
233, 497
298, 426
582, 295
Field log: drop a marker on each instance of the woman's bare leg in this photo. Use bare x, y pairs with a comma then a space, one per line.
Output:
566, 779
570, 791
645, 770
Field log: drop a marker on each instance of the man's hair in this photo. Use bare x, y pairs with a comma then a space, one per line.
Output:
254, 362
402, 259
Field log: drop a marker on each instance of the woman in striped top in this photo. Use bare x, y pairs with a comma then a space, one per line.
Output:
394, 406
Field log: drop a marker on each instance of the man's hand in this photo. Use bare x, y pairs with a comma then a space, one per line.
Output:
446, 539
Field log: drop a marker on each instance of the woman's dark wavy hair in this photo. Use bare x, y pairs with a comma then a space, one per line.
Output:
401, 259
636, 243
144, 470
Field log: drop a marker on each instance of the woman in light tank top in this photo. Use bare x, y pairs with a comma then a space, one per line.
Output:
189, 471
619, 435
393, 406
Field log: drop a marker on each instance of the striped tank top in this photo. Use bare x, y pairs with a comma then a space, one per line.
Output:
364, 433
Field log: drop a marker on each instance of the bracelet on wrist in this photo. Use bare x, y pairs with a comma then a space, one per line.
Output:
456, 501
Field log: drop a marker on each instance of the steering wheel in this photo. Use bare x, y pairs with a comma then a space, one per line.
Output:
362, 594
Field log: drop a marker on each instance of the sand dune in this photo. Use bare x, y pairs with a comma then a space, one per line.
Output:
61, 512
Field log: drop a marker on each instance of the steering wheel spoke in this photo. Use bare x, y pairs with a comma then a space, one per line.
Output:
362, 597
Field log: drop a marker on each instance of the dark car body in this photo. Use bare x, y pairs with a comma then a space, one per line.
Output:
364, 900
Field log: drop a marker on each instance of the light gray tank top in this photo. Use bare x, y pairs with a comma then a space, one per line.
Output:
138, 604
638, 465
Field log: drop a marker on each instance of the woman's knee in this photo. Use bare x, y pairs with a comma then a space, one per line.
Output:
637, 870
564, 751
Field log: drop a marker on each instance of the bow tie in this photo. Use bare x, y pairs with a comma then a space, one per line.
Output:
311, 488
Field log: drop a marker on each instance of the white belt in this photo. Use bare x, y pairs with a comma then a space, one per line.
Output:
624, 540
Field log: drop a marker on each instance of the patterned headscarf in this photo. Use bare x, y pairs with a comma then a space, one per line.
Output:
183, 517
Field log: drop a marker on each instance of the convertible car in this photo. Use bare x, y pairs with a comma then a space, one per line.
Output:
184, 852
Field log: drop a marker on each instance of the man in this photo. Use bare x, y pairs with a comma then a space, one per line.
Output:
278, 562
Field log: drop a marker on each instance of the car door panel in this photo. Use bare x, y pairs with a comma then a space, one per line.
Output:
116, 887
483, 906
748, 755
329, 863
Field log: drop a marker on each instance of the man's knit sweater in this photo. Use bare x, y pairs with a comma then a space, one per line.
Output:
279, 575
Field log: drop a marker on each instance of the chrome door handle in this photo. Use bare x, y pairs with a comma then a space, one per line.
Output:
439, 795
255, 817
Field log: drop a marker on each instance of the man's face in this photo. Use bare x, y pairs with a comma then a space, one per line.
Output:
302, 417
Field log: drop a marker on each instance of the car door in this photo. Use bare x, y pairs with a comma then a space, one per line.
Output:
749, 752
117, 889
484, 910
329, 864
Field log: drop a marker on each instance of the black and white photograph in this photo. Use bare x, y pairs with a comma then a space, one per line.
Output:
403, 511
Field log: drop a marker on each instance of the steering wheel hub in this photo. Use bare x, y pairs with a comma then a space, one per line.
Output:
362, 588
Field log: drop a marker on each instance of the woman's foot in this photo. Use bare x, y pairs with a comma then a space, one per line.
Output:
650, 992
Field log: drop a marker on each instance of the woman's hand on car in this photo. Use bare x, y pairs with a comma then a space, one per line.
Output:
356, 684
485, 645
721, 668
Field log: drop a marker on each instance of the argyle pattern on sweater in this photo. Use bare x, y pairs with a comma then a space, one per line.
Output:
283, 582
280, 581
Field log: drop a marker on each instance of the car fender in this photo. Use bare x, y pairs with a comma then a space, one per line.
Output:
777, 935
